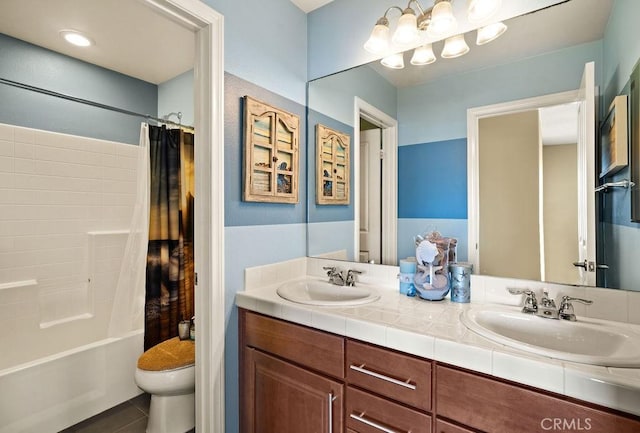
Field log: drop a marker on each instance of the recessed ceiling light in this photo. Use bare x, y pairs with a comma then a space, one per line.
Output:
76, 38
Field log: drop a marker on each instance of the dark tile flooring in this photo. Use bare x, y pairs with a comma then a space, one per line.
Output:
128, 417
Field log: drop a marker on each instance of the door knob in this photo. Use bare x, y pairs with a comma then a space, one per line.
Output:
589, 266
580, 265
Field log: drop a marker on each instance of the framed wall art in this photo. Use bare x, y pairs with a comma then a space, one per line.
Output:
332, 166
614, 146
271, 153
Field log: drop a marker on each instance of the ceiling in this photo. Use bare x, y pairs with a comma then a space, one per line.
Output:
309, 5
121, 43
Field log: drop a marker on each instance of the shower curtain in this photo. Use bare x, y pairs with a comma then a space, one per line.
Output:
170, 266
127, 313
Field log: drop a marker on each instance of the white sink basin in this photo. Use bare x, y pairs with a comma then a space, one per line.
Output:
317, 292
588, 341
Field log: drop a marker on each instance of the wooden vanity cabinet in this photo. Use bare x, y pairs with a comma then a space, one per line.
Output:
292, 377
297, 379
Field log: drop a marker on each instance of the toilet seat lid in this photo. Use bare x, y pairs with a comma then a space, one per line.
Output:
168, 355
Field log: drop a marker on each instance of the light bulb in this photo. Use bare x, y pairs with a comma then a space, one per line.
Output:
378, 41
76, 38
442, 19
394, 61
423, 55
455, 46
407, 31
490, 33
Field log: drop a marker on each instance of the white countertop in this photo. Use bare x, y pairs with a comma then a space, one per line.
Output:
433, 330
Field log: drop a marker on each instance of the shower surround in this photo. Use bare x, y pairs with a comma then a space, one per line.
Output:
65, 208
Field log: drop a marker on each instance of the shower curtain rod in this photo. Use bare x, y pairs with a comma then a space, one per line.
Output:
88, 102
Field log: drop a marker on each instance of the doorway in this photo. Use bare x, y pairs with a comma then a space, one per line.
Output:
585, 224
208, 28
371, 159
388, 155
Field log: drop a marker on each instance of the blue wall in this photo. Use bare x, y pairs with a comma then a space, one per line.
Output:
176, 95
265, 57
437, 111
265, 43
46, 69
621, 52
432, 180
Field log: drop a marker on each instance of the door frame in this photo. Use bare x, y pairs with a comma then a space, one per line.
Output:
208, 28
473, 118
389, 127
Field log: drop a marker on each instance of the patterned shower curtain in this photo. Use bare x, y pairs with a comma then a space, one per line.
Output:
170, 266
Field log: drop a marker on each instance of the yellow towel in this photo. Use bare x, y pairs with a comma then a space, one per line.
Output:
168, 355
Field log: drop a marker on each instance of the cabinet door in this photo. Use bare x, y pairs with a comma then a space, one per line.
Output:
279, 397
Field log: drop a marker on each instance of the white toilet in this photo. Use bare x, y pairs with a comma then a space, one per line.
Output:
167, 372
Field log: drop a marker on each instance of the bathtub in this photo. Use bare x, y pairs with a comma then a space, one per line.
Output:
57, 391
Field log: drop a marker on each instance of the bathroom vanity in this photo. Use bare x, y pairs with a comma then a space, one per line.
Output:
399, 364
297, 379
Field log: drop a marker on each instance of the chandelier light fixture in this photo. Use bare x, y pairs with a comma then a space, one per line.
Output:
427, 25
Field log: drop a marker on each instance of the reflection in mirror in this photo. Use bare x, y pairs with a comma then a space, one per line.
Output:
430, 104
527, 194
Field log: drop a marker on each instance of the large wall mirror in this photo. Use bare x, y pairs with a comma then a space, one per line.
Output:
430, 104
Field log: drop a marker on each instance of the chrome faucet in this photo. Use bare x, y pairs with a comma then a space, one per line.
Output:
565, 312
351, 278
335, 276
546, 307
530, 303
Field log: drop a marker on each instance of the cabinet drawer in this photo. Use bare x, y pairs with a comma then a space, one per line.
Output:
494, 406
367, 413
399, 377
314, 349
445, 427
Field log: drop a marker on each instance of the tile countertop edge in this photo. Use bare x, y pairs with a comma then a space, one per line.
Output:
613, 388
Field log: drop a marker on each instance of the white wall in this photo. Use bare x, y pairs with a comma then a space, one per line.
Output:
56, 192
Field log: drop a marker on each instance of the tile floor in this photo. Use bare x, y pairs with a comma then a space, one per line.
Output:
128, 417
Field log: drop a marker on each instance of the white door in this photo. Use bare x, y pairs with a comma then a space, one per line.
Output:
586, 177
370, 196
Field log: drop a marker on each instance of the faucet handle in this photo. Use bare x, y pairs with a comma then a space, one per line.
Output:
530, 302
566, 312
330, 269
351, 278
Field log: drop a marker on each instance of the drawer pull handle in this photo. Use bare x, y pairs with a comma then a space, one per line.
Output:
370, 423
361, 369
330, 399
